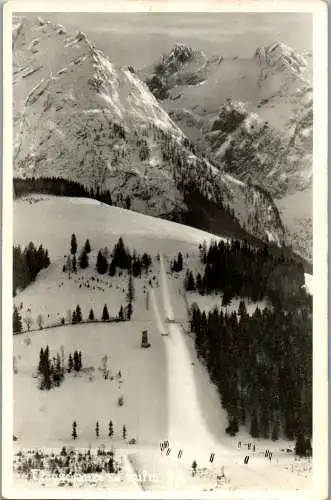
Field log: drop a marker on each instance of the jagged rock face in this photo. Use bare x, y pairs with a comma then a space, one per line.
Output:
181, 66
78, 116
178, 56
254, 119
282, 57
249, 148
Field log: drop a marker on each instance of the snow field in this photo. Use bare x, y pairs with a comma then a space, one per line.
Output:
59, 217
86, 288
105, 225
51, 413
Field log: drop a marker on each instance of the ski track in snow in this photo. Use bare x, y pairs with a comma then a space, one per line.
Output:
165, 291
155, 308
188, 432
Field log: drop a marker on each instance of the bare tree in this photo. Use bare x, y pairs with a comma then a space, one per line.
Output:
104, 365
28, 322
40, 321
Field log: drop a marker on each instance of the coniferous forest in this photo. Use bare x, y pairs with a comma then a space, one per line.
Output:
260, 364
58, 186
52, 370
240, 270
27, 264
123, 258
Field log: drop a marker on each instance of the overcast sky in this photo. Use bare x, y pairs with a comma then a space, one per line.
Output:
140, 38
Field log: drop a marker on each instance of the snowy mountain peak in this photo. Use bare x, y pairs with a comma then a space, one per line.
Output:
52, 71
281, 56
82, 40
180, 52
182, 65
179, 55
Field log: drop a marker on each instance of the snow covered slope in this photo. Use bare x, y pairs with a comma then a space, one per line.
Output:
78, 116
103, 225
100, 223
48, 423
53, 294
159, 385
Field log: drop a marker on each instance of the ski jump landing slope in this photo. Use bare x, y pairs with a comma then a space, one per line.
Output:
187, 428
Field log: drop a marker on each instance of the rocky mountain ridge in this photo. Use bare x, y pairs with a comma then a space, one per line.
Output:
252, 118
79, 117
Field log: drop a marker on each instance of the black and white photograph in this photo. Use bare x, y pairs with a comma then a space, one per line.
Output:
165, 291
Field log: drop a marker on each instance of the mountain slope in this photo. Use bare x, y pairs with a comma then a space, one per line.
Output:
253, 117
271, 77
145, 409
78, 116
157, 384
